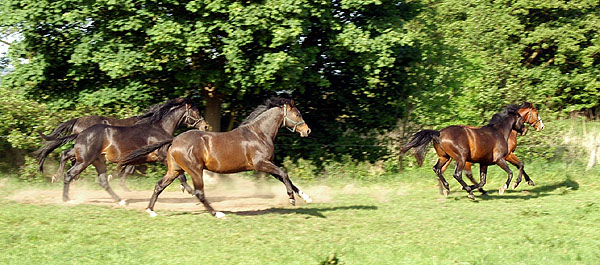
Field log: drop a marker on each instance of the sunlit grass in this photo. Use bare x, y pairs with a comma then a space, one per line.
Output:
402, 220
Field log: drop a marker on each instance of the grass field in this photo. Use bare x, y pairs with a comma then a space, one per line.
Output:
401, 220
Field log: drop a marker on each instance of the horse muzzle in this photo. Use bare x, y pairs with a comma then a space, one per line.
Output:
304, 130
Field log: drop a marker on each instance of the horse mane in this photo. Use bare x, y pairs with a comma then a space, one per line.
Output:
500, 117
260, 109
157, 112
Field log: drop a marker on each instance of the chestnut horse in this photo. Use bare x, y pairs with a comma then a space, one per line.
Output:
75, 126
531, 117
248, 147
487, 145
103, 142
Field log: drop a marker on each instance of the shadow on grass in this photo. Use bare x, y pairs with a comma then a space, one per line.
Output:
537, 192
316, 212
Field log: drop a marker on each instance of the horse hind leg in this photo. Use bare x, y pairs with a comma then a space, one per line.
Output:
74, 171
184, 186
64, 156
469, 173
100, 166
128, 170
439, 169
458, 176
158, 189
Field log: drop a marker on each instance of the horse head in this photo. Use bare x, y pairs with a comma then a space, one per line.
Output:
531, 116
192, 118
292, 120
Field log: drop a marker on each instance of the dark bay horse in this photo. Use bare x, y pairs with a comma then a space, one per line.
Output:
531, 116
487, 145
103, 142
77, 125
248, 147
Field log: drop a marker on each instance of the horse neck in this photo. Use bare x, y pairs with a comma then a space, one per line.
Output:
171, 120
268, 123
505, 127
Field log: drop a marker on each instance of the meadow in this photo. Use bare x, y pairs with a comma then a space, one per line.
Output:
400, 219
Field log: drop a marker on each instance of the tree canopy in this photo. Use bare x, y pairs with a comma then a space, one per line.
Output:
355, 67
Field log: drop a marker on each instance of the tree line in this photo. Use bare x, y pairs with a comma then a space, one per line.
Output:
356, 68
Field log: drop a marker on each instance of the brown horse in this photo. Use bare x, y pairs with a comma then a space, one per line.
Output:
103, 142
487, 145
75, 126
531, 117
248, 147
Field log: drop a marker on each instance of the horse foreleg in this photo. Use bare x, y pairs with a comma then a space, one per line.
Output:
269, 167
100, 166
512, 158
300, 193
502, 164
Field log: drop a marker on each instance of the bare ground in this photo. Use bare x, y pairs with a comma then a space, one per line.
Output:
228, 195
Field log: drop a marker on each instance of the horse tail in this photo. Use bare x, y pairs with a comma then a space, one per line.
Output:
43, 152
61, 130
139, 153
420, 141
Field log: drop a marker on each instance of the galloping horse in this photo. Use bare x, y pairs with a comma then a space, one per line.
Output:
248, 147
103, 142
531, 117
486, 145
75, 126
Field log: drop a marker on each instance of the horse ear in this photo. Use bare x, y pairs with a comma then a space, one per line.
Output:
291, 103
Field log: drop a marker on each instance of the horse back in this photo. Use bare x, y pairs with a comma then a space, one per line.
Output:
479, 145
220, 152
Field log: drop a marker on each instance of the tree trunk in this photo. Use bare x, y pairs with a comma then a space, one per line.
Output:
212, 112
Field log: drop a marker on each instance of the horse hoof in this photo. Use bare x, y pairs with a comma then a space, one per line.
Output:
219, 215
531, 183
109, 178
501, 190
182, 188
151, 213
53, 179
122, 203
515, 185
293, 202
445, 192
305, 197
471, 196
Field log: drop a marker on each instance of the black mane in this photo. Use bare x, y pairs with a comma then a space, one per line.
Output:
509, 110
157, 112
260, 109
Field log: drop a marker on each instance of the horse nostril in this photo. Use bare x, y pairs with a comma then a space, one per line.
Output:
308, 131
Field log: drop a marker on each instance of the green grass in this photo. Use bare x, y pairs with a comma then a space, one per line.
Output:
402, 220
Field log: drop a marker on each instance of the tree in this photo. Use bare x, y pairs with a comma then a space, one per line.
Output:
345, 55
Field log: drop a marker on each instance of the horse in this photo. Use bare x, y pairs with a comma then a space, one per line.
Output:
531, 116
248, 147
487, 145
103, 142
77, 125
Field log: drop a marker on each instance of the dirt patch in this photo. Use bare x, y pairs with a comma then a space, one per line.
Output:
228, 194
